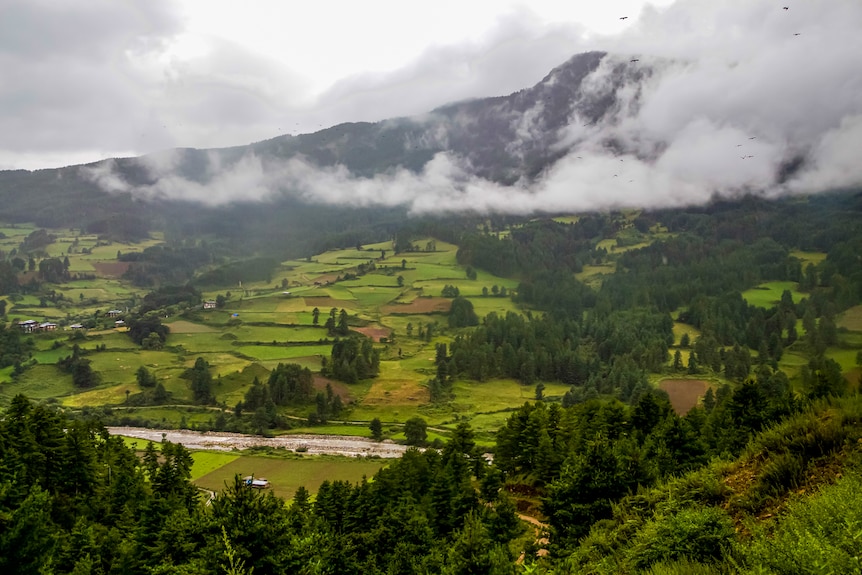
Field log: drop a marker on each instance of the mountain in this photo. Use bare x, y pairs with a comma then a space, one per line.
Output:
502, 139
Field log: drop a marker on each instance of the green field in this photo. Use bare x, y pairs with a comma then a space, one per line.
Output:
286, 475
768, 294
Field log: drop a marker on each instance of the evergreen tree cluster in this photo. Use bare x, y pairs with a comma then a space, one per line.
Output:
74, 499
352, 359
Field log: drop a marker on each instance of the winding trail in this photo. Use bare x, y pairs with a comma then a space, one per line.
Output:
313, 444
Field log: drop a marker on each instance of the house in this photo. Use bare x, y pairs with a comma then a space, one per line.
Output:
47, 326
76, 326
210, 304
29, 325
115, 313
119, 323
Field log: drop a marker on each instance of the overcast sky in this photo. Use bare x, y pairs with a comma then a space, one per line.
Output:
81, 81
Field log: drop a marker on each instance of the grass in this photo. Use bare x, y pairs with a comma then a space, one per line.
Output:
206, 462
287, 475
273, 352
682, 328
39, 382
768, 294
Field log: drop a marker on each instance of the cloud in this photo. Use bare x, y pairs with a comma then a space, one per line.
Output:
66, 83
723, 98
516, 52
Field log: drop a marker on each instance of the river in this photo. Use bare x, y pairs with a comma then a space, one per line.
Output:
313, 444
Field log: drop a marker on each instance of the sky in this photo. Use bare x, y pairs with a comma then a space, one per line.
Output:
93, 79
737, 91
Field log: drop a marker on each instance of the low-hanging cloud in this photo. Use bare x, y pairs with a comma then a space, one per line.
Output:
729, 95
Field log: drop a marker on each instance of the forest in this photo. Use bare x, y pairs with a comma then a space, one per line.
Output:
762, 475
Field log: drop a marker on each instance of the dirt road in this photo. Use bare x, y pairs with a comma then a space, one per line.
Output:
312, 444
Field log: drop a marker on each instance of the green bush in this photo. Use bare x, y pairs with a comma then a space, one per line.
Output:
697, 535
819, 534
686, 567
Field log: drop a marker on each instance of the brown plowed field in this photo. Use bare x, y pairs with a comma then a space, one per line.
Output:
374, 332
684, 393
420, 305
110, 269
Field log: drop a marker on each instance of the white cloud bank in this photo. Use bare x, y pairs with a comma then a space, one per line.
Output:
739, 90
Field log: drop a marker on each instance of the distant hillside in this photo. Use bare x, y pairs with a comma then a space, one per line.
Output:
501, 139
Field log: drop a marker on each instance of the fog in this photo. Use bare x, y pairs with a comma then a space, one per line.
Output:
736, 92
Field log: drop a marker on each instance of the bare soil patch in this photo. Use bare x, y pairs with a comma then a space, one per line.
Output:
338, 388
420, 305
374, 332
110, 269
684, 393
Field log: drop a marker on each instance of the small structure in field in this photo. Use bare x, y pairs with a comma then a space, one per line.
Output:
28, 325
48, 326
210, 304
256, 482
119, 323
115, 313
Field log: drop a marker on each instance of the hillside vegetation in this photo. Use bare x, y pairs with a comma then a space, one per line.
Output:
661, 392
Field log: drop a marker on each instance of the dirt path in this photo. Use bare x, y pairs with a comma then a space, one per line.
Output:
312, 444
541, 536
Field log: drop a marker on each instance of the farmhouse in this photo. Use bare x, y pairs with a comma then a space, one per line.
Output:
210, 304
47, 326
119, 323
28, 325
115, 313
76, 326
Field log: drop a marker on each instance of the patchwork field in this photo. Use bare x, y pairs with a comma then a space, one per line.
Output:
262, 324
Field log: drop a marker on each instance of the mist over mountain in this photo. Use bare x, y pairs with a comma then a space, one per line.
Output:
768, 102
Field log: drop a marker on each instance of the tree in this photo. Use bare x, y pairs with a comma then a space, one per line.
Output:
145, 378
315, 316
343, 328
201, 382
376, 428
415, 431
461, 314
400, 281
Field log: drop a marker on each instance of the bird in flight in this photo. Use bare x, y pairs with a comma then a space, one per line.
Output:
753, 138
634, 60
787, 7
623, 17
797, 34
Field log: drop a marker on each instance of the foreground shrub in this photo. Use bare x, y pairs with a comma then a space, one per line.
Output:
696, 535
819, 534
